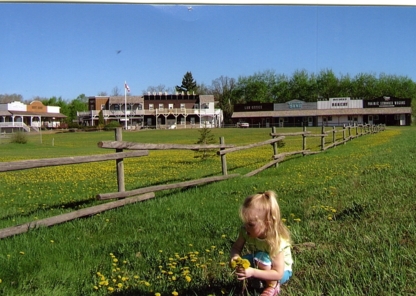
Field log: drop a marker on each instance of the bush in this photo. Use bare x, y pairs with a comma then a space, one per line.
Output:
19, 137
112, 125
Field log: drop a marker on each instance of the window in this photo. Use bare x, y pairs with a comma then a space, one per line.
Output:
161, 107
102, 106
139, 107
151, 107
116, 107
182, 106
170, 106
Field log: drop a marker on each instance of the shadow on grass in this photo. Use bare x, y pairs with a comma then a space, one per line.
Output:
231, 289
75, 205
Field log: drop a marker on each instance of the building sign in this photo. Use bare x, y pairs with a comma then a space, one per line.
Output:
295, 105
386, 102
253, 106
37, 107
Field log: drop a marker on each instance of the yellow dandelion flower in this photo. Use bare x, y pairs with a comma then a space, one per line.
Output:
21, 253
120, 285
157, 294
223, 236
173, 278
296, 220
95, 287
52, 241
174, 293
245, 263
115, 260
111, 289
188, 278
147, 284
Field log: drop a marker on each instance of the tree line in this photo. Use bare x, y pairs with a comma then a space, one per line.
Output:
265, 87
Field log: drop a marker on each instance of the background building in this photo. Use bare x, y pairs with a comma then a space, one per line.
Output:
332, 112
19, 116
156, 110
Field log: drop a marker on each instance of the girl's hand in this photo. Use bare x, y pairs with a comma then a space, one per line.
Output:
243, 274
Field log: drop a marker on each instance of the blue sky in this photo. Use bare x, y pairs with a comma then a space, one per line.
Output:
64, 50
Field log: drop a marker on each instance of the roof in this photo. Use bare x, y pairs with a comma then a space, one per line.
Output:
324, 112
4, 113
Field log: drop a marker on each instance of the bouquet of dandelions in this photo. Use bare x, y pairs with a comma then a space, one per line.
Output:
238, 263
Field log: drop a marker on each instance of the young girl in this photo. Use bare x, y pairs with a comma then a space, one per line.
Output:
268, 241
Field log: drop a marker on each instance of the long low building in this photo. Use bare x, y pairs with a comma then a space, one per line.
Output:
332, 112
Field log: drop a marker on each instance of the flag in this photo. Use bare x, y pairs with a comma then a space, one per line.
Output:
126, 87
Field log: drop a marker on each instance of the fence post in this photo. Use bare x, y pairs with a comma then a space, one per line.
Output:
304, 140
349, 130
223, 158
343, 134
322, 137
120, 162
274, 145
333, 134
356, 129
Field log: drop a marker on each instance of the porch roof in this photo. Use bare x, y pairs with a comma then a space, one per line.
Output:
28, 113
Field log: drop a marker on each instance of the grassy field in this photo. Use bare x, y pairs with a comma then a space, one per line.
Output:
351, 212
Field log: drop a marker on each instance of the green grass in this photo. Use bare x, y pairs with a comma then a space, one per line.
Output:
355, 203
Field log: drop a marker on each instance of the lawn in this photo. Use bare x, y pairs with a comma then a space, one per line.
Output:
350, 210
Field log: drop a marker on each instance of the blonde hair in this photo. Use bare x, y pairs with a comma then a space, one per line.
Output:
267, 203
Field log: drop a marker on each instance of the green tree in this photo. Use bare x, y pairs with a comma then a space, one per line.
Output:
100, 120
327, 84
188, 84
80, 104
205, 138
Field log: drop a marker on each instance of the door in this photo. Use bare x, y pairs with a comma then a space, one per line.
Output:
370, 119
402, 119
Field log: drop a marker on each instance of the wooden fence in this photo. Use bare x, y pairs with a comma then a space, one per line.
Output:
142, 149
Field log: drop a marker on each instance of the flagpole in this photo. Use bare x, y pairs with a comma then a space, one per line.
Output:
125, 105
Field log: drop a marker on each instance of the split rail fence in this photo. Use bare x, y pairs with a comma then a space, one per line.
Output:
142, 149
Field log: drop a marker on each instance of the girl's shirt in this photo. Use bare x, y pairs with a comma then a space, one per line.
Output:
256, 244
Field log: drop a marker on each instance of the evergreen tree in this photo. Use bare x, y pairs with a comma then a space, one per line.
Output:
188, 84
205, 138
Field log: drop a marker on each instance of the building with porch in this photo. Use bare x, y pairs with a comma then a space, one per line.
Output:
19, 116
332, 112
154, 110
